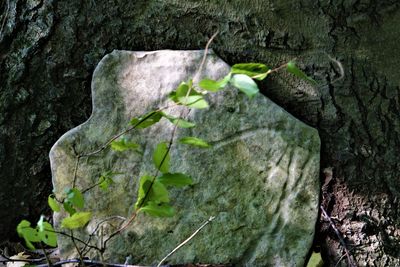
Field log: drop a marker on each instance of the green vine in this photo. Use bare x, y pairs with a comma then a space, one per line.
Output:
153, 195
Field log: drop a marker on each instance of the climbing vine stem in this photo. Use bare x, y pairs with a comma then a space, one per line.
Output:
153, 196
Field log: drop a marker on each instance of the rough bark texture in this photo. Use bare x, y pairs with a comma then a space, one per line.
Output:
48, 50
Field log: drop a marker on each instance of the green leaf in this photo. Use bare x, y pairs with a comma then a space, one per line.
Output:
181, 93
48, 236
182, 89
190, 83
161, 157
172, 96
194, 101
29, 234
210, 85
144, 185
215, 86
123, 144
105, 180
315, 260
75, 197
68, 207
159, 194
156, 192
254, 70
146, 120
175, 179
46, 233
194, 141
158, 210
181, 123
53, 203
245, 84
292, 68
77, 220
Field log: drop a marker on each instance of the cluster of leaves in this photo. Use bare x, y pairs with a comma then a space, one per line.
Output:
73, 204
153, 196
43, 232
242, 77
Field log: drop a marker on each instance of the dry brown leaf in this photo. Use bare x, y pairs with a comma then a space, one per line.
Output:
19, 256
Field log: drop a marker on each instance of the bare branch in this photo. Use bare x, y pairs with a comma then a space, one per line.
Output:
187, 240
341, 240
198, 73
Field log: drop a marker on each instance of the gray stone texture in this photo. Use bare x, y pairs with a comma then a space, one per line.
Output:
260, 178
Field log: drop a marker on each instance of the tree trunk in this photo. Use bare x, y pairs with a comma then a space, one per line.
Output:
48, 50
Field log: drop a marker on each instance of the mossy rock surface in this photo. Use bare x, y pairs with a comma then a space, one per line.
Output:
260, 178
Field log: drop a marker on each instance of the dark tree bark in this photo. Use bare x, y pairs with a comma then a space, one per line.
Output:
48, 50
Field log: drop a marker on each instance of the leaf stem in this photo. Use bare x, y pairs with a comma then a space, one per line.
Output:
76, 239
77, 249
8, 259
78, 157
104, 246
45, 255
95, 230
200, 69
124, 226
106, 144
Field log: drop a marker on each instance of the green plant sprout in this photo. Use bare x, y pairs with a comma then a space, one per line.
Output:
153, 195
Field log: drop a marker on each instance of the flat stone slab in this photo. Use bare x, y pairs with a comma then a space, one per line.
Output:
260, 179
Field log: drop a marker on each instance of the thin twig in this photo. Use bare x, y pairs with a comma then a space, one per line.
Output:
76, 239
78, 157
77, 248
176, 124
200, 69
277, 69
71, 236
335, 61
272, 70
133, 216
8, 259
341, 240
105, 145
171, 140
95, 230
45, 255
103, 262
91, 187
340, 259
104, 245
187, 240
122, 228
